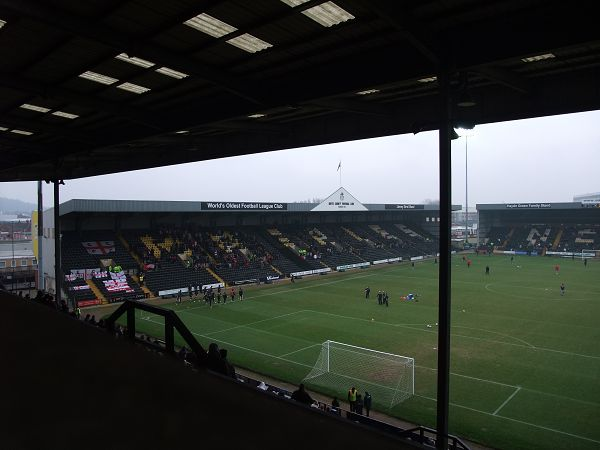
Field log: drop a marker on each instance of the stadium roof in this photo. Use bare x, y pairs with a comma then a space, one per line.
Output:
95, 87
156, 206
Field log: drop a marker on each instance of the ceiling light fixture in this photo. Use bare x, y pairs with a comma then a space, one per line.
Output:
98, 78
210, 25
134, 60
538, 57
23, 132
367, 92
135, 88
326, 14
34, 108
66, 115
172, 73
249, 43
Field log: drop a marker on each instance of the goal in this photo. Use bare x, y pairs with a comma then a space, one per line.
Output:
389, 378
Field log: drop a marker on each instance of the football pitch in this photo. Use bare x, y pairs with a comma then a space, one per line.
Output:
525, 361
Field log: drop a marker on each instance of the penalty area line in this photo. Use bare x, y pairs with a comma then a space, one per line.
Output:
506, 401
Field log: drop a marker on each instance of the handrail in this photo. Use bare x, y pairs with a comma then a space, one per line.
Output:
172, 323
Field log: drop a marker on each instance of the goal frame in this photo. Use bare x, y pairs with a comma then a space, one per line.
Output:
409, 361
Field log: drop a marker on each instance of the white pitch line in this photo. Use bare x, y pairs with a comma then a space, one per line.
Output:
417, 395
506, 401
541, 427
494, 341
248, 325
283, 291
300, 350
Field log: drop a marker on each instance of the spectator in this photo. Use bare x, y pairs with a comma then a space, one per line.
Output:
352, 392
213, 360
301, 396
358, 407
225, 367
368, 401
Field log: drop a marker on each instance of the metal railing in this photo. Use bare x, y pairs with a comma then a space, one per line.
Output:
172, 323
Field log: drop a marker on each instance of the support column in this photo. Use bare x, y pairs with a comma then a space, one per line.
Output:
169, 335
57, 255
445, 176
40, 236
131, 322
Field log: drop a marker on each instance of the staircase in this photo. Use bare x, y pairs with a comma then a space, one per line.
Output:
150, 245
128, 248
217, 277
144, 289
275, 269
97, 292
510, 233
352, 233
557, 239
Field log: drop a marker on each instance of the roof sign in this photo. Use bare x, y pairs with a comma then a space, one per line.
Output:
340, 200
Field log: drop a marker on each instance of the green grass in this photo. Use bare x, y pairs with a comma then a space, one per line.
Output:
525, 362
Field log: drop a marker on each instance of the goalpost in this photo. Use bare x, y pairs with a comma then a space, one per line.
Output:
389, 378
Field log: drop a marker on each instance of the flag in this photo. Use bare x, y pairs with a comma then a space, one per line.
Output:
339, 166
99, 247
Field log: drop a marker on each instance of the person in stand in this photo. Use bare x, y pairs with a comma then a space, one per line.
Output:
358, 408
241, 294
367, 292
352, 393
301, 396
487, 270
368, 402
562, 289
226, 368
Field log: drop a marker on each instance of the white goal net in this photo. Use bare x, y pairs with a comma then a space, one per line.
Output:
389, 378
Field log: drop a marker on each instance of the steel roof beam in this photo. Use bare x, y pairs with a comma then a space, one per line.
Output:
124, 42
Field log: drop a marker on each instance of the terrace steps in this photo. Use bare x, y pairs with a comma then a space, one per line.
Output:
217, 277
144, 289
276, 269
352, 233
97, 292
128, 248
557, 239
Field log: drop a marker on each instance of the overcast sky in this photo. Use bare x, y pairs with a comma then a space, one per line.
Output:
537, 160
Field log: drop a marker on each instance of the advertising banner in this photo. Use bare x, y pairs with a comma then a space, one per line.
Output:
353, 266
84, 303
404, 206
243, 206
311, 272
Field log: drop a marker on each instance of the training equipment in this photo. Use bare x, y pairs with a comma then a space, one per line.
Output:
389, 378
